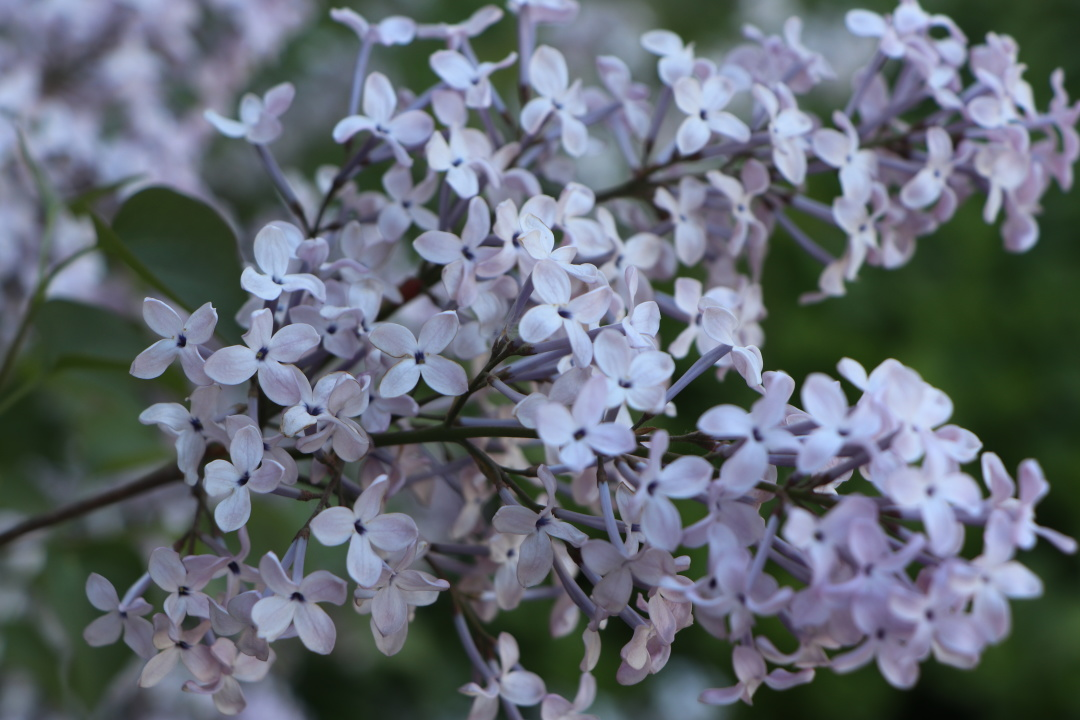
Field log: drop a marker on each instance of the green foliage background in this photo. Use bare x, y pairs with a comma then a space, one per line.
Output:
998, 332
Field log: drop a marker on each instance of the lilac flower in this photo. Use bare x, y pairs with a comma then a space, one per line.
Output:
247, 473
121, 617
460, 73
558, 311
468, 150
754, 182
460, 256
184, 581
274, 255
191, 428
751, 671
258, 123
636, 379
936, 492
535, 555
556, 707
999, 577
932, 180
686, 214
457, 34
841, 150
676, 59
684, 477
704, 103
233, 666
410, 128
420, 358
368, 530
518, 687
1020, 510
295, 605
330, 407
406, 206
264, 354
581, 434
181, 338
392, 599
788, 127
394, 30
550, 78
175, 645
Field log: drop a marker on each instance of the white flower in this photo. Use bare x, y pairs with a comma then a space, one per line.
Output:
248, 472
409, 128
181, 339
420, 358
293, 604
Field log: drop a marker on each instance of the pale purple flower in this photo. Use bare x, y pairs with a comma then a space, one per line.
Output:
635, 378
295, 605
394, 30
841, 150
274, 254
936, 491
367, 530
176, 644
392, 599
460, 256
825, 402
462, 74
184, 581
264, 354
581, 434
120, 617
410, 128
456, 34
933, 179
545, 11
181, 338
704, 103
558, 311
686, 214
535, 556
518, 687
258, 122
616, 77
754, 182
191, 428
468, 150
1020, 510
419, 358
676, 59
247, 473
999, 577
551, 80
233, 666
406, 206
685, 477
788, 128
751, 672
556, 707
330, 407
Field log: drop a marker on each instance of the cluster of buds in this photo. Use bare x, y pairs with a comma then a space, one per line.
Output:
480, 347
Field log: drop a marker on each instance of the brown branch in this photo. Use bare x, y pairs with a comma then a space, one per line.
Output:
154, 480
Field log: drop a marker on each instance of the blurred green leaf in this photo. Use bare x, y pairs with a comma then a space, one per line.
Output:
72, 334
184, 246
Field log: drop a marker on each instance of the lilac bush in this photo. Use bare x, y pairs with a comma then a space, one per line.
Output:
494, 326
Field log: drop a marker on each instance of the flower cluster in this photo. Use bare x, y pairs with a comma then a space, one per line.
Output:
488, 328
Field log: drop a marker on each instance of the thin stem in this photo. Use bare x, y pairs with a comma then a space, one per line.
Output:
145, 484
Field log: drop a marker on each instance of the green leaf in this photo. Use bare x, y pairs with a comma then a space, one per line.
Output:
72, 334
182, 245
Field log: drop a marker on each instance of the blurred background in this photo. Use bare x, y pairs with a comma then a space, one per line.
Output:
997, 332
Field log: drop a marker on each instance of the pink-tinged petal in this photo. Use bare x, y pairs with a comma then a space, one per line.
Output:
722, 696
394, 340
266, 478
364, 564
161, 318
444, 376
551, 283
412, 127
389, 611
380, 100
534, 113
555, 424
515, 520
548, 71
534, 559
351, 125
392, 532
324, 586
105, 630
315, 628
246, 449
158, 667
279, 383
226, 126
726, 421
575, 136
400, 379
273, 615
333, 526
611, 439
438, 247
200, 326
438, 332
154, 360
539, 323
261, 286
166, 570
522, 687
101, 593
274, 576
291, 342
231, 365
233, 512
221, 477
693, 134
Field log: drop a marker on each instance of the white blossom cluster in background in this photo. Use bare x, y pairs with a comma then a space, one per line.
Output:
111, 91
487, 329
